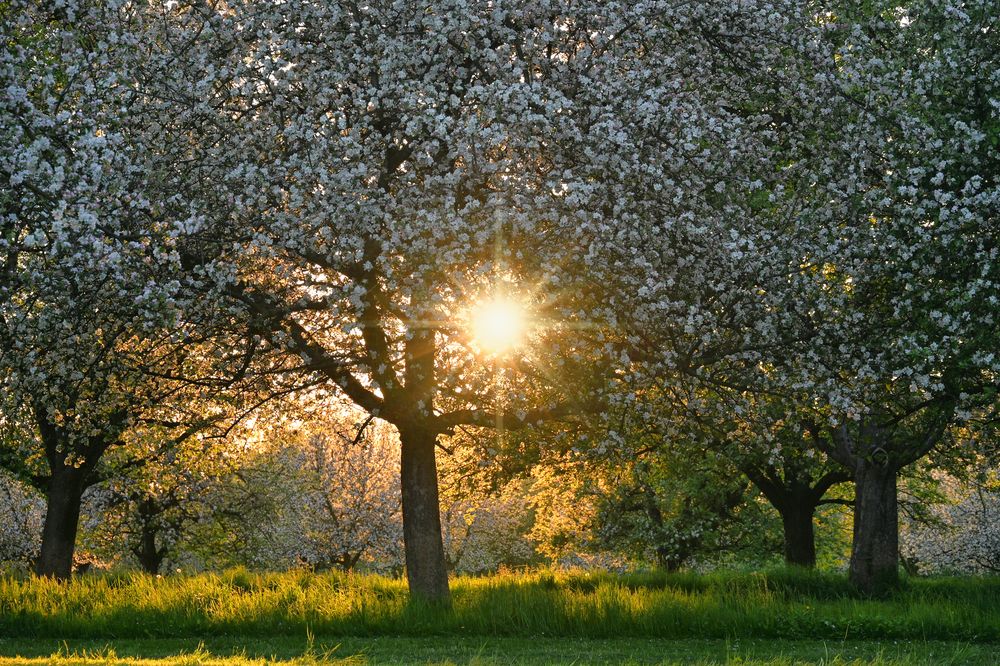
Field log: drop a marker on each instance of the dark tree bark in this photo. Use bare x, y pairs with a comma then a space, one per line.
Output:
875, 453
871, 456
71, 465
800, 539
62, 515
407, 402
875, 552
426, 570
348, 561
150, 557
669, 560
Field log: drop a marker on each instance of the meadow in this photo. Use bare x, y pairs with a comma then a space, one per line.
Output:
235, 617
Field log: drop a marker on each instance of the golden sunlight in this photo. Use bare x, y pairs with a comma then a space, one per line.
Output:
499, 325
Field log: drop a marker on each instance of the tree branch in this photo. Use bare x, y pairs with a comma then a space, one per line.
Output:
488, 419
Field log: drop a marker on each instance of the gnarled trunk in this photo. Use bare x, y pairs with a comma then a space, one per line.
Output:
426, 570
62, 514
873, 452
875, 551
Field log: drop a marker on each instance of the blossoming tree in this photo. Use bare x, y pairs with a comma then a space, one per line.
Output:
95, 328
485, 215
842, 280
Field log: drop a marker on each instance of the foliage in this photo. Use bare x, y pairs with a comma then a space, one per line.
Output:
565, 500
680, 507
159, 491
312, 484
107, 320
351, 498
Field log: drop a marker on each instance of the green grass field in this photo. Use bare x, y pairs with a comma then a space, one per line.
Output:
483, 651
777, 617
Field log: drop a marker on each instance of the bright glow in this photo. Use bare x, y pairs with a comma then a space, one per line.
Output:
499, 325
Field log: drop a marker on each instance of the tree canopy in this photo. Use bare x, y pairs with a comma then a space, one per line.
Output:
765, 228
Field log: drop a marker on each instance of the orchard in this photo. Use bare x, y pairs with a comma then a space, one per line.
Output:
441, 288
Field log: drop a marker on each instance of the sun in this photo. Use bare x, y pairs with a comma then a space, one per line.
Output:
499, 325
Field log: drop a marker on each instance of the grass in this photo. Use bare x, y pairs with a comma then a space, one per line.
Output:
774, 617
228, 651
777, 604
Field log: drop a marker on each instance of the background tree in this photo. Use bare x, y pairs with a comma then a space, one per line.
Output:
838, 284
961, 535
682, 510
21, 512
903, 353
350, 495
100, 315
156, 490
486, 513
772, 449
82, 297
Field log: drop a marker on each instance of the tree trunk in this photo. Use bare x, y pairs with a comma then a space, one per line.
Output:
426, 571
668, 560
800, 541
795, 498
62, 514
149, 557
875, 551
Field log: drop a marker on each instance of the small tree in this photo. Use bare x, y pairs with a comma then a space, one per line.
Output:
350, 496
